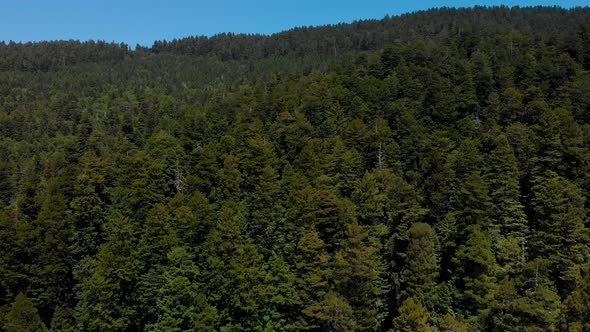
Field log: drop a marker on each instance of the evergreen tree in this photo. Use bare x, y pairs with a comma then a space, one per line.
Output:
333, 313
419, 276
313, 271
23, 317
368, 196
105, 296
181, 304
157, 239
412, 317
235, 272
476, 268
63, 320
532, 304
560, 235
358, 277
575, 311
509, 222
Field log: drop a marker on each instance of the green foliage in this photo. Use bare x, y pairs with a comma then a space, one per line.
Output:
358, 277
419, 172
476, 268
561, 236
419, 276
575, 314
23, 317
105, 295
181, 304
412, 317
63, 320
333, 313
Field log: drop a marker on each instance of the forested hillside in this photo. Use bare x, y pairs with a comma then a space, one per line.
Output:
425, 172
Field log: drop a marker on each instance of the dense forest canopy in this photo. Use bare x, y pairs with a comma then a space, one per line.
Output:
423, 172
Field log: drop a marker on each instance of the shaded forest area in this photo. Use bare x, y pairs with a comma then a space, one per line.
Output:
424, 172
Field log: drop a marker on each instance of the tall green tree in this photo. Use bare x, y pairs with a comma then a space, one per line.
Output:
509, 222
23, 317
181, 304
235, 271
333, 314
575, 312
313, 268
419, 276
105, 295
358, 277
476, 272
560, 235
412, 316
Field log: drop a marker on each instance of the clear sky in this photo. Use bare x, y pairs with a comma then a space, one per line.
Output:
143, 21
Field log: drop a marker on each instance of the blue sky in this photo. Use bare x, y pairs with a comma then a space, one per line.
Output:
143, 21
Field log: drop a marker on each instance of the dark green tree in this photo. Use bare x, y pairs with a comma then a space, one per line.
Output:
476, 272
181, 304
412, 316
575, 312
358, 277
560, 235
23, 317
419, 276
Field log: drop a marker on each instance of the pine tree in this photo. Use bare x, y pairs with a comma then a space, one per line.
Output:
285, 303
63, 320
370, 200
476, 272
313, 270
419, 276
266, 211
105, 296
235, 272
509, 223
412, 317
87, 207
23, 317
450, 323
181, 304
53, 282
157, 239
346, 166
333, 314
530, 304
358, 277
560, 235
575, 311
503, 179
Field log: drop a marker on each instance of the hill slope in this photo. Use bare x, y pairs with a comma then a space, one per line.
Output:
429, 171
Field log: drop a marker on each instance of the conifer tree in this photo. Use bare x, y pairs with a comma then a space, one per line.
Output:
560, 235
419, 276
333, 313
157, 239
575, 311
358, 277
105, 296
64, 319
509, 223
313, 271
476, 270
53, 281
235, 271
412, 316
531, 304
181, 304
368, 196
23, 317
